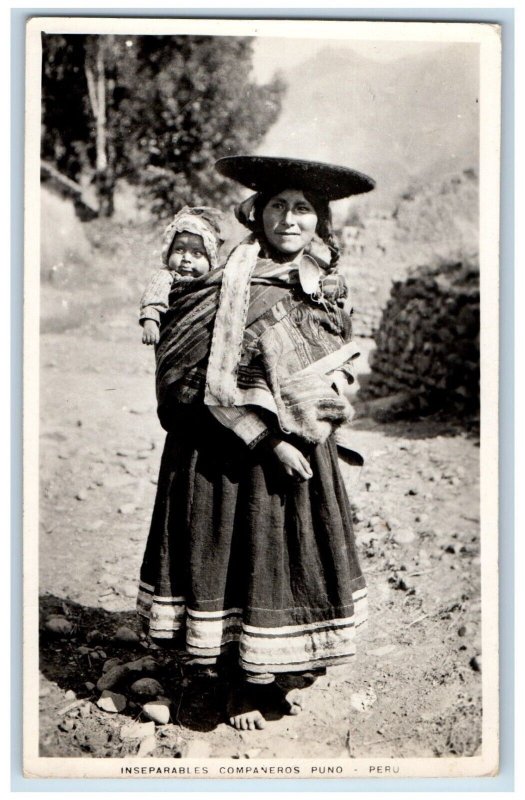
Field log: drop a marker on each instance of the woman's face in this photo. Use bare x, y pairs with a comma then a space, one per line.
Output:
289, 221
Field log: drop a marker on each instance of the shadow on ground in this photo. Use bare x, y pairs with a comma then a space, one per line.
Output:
422, 427
75, 662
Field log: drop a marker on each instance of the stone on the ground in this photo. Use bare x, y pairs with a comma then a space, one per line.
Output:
58, 625
93, 636
110, 678
127, 508
110, 663
89, 686
83, 650
475, 663
112, 702
197, 748
147, 746
137, 730
70, 695
128, 590
363, 701
147, 687
404, 536
379, 524
144, 664
462, 630
126, 635
158, 711
67, 725
81, 495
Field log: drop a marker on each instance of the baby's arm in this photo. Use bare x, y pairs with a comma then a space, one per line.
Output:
154, 303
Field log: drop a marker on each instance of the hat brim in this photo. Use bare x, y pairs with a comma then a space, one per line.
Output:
267, 174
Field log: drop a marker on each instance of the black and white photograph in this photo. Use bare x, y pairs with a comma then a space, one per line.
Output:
261, 398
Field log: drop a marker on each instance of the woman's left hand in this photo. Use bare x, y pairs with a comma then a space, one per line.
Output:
294, 463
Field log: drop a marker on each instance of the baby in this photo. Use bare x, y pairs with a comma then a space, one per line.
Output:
190, 249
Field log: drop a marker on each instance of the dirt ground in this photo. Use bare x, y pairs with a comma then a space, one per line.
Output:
414, 688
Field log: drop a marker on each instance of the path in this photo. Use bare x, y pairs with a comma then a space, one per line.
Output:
414, 688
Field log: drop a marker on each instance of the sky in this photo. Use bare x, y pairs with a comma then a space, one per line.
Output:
270, 54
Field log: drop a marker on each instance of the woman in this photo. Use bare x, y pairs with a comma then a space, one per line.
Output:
251, 543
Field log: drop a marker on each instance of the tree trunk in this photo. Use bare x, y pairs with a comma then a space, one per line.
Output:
97, 89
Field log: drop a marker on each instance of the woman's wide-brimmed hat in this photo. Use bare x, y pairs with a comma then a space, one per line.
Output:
268, 174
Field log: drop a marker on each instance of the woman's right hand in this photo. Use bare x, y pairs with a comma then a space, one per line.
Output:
294, 463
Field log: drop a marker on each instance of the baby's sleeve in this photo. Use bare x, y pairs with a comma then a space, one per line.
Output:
155, 300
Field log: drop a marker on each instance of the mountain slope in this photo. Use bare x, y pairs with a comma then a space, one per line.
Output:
411, 119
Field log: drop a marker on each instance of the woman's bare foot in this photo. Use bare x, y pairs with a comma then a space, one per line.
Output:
250, 705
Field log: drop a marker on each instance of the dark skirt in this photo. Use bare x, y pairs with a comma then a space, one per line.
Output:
238, 552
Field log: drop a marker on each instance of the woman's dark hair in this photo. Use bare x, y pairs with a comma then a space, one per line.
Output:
324, 229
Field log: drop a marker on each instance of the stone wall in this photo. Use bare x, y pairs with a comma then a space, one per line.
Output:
427, 342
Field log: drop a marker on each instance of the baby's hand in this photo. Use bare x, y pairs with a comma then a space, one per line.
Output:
150, 332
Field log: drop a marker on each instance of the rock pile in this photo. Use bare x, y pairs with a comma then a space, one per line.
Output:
427, 343
366, 320
439, 218
368, 292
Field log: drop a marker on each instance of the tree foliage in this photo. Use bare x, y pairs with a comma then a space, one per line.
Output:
66, 140
173, 105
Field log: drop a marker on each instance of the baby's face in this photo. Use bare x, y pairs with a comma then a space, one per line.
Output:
188, 255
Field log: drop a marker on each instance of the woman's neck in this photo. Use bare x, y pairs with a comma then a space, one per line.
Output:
278, 256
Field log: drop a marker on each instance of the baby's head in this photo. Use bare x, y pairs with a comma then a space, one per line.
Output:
191, 241
188, 255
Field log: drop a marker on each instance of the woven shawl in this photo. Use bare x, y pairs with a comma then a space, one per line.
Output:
231, 338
